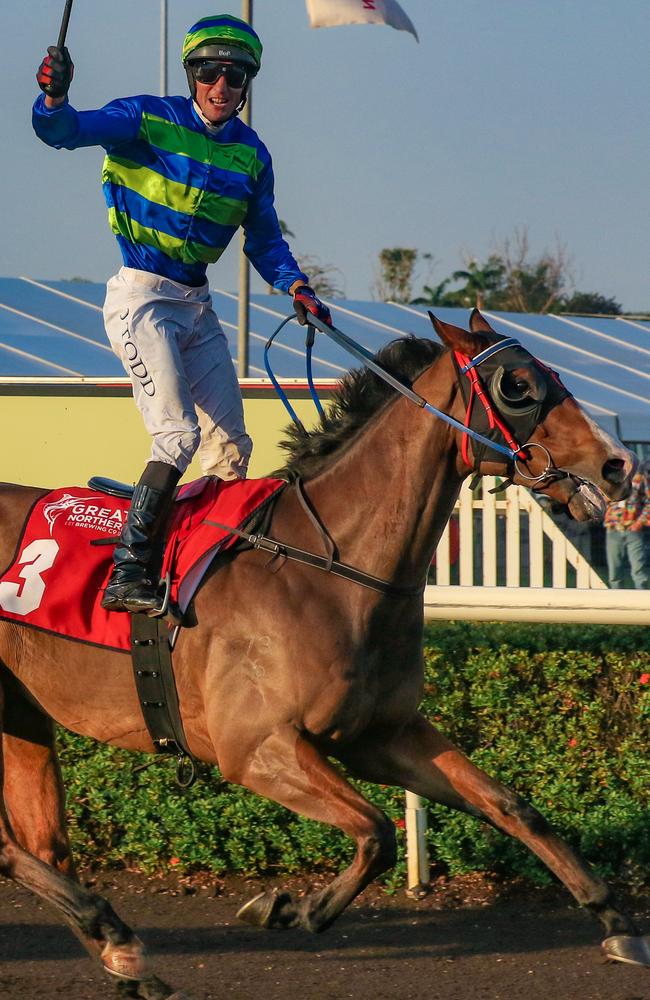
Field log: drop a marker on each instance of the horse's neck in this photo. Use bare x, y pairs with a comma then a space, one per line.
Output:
386, 501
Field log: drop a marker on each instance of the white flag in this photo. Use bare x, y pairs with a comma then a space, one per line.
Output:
329, 13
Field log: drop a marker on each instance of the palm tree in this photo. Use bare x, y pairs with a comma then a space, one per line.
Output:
479, 280
434, 296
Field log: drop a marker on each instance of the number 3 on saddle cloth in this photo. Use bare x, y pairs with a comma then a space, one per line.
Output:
57, 576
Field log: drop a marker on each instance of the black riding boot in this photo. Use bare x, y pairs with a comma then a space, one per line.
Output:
134, 582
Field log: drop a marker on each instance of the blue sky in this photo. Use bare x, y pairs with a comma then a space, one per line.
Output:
507, 114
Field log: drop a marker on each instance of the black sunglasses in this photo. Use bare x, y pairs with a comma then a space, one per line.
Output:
209, 71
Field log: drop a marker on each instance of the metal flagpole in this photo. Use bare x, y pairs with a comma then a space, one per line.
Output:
163, 48
244, 266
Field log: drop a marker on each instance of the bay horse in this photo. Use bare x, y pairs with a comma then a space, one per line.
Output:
290, 670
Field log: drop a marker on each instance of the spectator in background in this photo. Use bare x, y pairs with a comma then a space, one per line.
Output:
627, 534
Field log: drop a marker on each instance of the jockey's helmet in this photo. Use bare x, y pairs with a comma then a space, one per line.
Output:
221, 37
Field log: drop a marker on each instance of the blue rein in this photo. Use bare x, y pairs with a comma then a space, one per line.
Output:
276, 385
368, 359
309, 343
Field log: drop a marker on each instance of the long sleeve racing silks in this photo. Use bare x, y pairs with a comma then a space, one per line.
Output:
176, 190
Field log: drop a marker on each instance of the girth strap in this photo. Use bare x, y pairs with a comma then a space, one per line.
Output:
156, 687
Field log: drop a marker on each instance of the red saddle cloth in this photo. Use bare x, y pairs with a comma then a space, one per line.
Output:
57, 576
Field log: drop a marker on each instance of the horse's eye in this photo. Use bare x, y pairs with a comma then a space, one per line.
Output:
517, 390
515, 387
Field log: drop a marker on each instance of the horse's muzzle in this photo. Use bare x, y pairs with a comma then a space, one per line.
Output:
589, 500
617, 474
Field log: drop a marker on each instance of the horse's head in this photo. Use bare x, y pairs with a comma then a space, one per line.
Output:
516, 401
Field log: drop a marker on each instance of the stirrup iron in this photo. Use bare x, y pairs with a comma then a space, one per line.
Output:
161, 611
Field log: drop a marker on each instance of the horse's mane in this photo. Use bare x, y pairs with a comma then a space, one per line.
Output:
360, 396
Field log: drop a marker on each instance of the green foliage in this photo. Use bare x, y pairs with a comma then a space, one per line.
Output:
592, 302
479, 282
560, 714
511, 280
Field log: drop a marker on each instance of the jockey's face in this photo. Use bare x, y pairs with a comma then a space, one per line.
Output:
217, 100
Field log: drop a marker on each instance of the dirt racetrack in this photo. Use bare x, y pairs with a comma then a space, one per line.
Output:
469, 940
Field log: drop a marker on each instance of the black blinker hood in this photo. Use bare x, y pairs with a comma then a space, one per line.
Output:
521, 420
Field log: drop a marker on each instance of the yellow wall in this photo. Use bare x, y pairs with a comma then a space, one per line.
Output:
62, 440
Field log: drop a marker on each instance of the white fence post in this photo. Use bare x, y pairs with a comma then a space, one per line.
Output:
502, 517
416, 846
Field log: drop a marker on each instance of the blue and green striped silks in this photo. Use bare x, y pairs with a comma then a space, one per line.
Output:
177, 191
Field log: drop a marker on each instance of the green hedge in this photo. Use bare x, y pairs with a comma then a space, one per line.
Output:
561, 714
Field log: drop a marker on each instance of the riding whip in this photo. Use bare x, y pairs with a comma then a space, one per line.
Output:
63, 30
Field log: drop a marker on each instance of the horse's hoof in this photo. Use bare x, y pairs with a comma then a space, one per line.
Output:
126, 961
627, 948
258, 910
265, 910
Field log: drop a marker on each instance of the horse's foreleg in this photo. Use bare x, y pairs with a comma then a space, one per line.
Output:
289, 769
422, 760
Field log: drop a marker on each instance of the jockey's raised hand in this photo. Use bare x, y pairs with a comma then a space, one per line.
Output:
55, 73
306, 301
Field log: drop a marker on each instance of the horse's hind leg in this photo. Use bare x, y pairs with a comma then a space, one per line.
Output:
289, 769
89, 915
422, 760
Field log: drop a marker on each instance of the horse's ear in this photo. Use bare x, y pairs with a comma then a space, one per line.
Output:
478, 323
456, 338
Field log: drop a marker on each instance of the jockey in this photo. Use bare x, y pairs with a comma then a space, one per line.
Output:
180, 176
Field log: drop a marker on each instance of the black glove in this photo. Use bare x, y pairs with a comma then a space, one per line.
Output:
306, 301
55, 72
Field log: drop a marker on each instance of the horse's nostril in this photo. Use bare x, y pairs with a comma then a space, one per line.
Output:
614, 471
